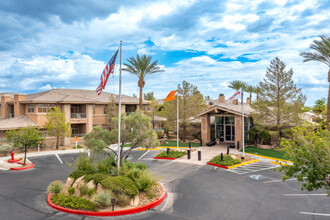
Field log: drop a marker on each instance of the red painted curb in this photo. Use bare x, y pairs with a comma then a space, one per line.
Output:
109, 213
22, 168
165, 158
13, 161
217, 165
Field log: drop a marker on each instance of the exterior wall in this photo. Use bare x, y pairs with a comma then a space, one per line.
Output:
18, 107
238, 129
66, 109
89, 116
5, 108
205, 127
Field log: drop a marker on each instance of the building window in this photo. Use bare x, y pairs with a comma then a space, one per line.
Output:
30, 108
45, 107
105, 109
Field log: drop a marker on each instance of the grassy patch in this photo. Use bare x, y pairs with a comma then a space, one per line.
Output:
173, 144
266, 152
227, 160
172, 154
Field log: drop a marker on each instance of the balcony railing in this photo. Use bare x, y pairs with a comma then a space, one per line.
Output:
78, 115
78, 135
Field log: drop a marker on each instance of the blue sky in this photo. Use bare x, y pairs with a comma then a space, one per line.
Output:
47, 44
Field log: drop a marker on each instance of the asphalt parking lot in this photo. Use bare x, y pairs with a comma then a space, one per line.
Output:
194, 192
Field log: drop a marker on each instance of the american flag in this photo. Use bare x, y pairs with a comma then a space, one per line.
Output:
232, 98
106, 73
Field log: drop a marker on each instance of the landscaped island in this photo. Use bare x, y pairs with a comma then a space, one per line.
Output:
267, 152
172, 154
96, 187
230, 161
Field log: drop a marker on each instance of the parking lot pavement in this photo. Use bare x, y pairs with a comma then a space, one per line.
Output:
253, 167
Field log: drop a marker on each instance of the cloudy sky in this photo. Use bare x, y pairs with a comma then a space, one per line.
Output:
47, 44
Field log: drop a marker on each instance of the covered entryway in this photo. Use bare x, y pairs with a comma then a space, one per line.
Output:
225, 129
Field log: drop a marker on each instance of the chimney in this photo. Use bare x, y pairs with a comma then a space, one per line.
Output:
18, 107
248, 101
221, 98
5, 108
235, 101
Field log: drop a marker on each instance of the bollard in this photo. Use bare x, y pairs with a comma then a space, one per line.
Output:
12, 156
227, 149
188, 154
237, 145
221, 157
189, 145
199, 155
168, 150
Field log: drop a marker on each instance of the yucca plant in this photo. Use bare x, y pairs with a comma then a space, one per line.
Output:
102, 198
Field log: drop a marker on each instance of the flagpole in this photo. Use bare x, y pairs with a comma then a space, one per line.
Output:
243, 124
177, 120
119, 110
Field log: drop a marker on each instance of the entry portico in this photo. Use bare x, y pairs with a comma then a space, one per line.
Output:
222, 122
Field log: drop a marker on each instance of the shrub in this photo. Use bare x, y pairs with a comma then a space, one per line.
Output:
71, 190
77, 173
6, 149
97, 177
83, 189
127, 166
150, 195
79, 146
73, 202
142, 179
227, 160
120, 185
102, 198
82, 165
160, 134
172, 154
55, 187
107, 165
122, 200
90, 192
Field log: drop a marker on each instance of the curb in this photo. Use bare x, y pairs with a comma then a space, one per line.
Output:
230, 167
271, 158
22, 168
165, 158
109, 213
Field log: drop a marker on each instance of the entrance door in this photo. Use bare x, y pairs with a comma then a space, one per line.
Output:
228, 135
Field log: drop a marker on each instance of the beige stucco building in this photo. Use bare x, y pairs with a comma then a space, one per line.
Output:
83, 109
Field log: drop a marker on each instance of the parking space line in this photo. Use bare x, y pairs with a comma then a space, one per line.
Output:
305, 194
314, 213
143, 155
275, 181
59, 158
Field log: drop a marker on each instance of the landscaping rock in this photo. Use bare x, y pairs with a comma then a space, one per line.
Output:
134, 201
91, 184
69, 181
196, 141
76, 183
82, 182
99, 188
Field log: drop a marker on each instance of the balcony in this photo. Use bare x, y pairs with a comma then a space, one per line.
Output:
78, 115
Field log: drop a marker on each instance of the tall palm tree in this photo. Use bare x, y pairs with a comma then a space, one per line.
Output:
321, 54
141, 66
237, 84
257, 91
249, 89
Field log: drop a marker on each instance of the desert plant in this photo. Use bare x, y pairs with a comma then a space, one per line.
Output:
143, 180
73, 202
55, 187
227, 160
122, 200
120, 185
71, 190
107, 165
83, 189
102, 198
6, 149
82, 165
97, 177
91, 191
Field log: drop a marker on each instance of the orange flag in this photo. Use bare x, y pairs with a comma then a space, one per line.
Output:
170, 96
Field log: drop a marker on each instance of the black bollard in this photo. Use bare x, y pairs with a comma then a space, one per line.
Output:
237, 145
188, 154
227, 149
199, 155
168, 150
221, 157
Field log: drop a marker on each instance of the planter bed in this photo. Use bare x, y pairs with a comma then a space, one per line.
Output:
230, 161
110, 213
173, 154
164, 158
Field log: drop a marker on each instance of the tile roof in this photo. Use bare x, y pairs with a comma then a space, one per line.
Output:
16, 122
77, 96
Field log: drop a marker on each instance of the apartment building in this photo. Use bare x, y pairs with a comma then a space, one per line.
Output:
83, 109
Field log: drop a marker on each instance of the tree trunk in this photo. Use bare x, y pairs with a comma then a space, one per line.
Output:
328, 106
141, 84
57, 142
184, 132
25, 151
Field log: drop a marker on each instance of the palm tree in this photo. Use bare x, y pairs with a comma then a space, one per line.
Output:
249, 89
141, 66
321, 54
257, 91
237, 84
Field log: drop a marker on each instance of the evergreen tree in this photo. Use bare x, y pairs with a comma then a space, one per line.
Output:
149, 96
280, 101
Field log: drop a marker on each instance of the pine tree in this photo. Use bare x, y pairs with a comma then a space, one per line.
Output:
280, 101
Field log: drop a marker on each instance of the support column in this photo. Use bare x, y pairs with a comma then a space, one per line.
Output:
89, 116
66, 110
238, 129
206, 129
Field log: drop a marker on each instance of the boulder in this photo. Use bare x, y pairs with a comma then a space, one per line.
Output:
76, 183
196, 141
82, 182
134, 201
69, 181
91, 185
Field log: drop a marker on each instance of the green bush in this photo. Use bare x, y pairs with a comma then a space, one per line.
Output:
79, 146
97, 177
172, 154
127, 166
120, 185
82, 165
83, 189
122, 200
71, 190
107, 165
150, 195
227, 160
73, 202
55, 187
142, 179
91, 191
102, 198
6, 149
77, 173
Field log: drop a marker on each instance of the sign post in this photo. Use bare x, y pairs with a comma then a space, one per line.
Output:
76, 139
